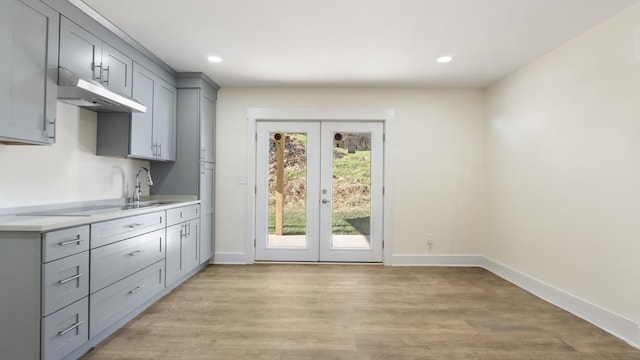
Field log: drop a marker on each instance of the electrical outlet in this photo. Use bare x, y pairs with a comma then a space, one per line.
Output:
429, 239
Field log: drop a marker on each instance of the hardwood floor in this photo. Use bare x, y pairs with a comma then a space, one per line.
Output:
356, 312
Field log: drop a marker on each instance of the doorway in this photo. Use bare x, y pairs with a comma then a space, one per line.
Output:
319, 191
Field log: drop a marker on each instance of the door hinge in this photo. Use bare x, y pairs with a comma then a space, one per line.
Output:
255, 189
384, 137
383, 190
383, 244
254, 243
256, 136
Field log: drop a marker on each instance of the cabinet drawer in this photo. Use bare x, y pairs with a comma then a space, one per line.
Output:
115, 230
115, 301
181, 214
65, 330
61, 243
64, 281
118, 260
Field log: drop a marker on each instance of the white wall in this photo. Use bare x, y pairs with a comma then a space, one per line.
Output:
563, 167
436, 165
67, 171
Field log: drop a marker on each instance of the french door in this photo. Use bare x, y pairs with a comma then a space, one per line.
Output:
319, 191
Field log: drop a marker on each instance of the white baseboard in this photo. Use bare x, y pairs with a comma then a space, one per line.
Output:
615, 324
435, 260
230, 258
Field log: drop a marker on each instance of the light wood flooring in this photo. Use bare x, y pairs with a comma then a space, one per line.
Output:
356, 312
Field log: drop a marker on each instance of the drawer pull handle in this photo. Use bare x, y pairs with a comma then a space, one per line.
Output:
74, 241
133, 226
70, 279
62, 333
136, 289
137, 252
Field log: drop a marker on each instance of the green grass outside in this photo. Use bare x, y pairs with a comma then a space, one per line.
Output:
357, 165
354, 222
347, 222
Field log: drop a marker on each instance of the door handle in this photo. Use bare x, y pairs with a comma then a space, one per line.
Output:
325, 201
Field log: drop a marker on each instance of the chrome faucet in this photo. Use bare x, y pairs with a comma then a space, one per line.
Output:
137, 192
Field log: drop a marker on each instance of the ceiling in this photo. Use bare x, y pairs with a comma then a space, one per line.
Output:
354, 43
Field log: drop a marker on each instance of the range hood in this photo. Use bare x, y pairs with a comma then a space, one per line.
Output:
91, 95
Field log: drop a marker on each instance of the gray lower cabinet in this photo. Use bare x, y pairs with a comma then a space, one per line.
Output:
65, 330
64, 281
150, 135
108, 232
67, 289
207, 204
44, 302
113, 262
28, 71
182, 242
117, 300
127, 266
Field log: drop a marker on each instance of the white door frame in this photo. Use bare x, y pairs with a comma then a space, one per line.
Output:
312, 114
311, 250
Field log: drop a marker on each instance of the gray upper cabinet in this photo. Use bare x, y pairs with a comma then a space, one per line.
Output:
164, 120
89, 57
153, 132
142, 123
117, 70
28, 71
79, 50
150, 135
208, 125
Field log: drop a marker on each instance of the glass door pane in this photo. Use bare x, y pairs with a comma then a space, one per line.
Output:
351, 189
287, 190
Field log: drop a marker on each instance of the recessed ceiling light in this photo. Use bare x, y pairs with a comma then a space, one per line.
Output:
444, 59
214, 59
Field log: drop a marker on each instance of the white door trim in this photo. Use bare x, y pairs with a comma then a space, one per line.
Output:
312, 114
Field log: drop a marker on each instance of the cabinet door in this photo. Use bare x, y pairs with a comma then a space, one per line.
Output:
190, 246
65, 330
164, 120
207, 177
143, 87
28, 71
207, 128
116, 70
174, 253
80, 51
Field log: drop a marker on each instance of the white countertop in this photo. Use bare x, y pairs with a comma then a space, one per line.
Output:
42, 223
